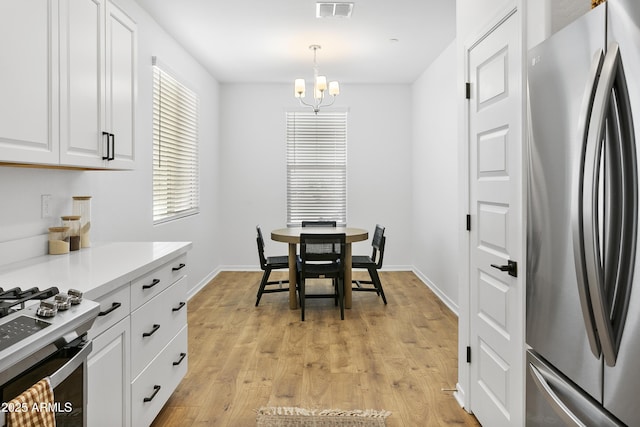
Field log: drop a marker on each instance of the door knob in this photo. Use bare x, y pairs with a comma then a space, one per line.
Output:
511, 268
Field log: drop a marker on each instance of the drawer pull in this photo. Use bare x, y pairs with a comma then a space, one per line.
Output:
156, 389
155, 282
180, 267
182, 356
178, 308
153, 331
113, 307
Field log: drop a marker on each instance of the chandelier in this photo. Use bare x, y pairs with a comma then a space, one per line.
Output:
319, 86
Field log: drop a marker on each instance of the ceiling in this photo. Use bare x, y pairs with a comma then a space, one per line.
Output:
267, 41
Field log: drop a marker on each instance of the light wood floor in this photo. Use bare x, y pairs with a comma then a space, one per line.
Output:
397, 357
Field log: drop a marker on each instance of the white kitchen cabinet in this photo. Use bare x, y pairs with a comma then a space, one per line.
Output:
156, 323
109, 364
68, 78
138, 285
121, 87
158, 338
140, 345
97, 86
153, 387
109, 381
29, 81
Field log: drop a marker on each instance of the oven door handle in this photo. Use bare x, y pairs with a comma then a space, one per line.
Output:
68, 368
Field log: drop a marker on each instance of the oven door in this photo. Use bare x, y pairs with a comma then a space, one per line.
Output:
66, 369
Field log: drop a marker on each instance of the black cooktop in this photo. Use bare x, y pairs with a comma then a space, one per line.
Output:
18, 329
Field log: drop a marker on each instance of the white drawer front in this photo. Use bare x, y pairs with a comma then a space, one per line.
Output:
114, 307
151, 390
153, 283
157, 322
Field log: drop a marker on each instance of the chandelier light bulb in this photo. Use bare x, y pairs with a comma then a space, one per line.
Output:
334, 88
321, 83
299, 88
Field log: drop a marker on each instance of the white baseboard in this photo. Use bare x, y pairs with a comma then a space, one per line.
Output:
443, 297
459, 395
193, 291
257, 268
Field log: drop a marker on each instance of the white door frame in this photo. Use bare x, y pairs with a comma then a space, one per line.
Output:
463, 387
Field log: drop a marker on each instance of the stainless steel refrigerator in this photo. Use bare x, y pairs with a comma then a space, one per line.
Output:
583, 279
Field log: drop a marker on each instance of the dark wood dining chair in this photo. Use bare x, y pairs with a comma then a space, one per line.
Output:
320, 223
372, 264
318, 263
267, 265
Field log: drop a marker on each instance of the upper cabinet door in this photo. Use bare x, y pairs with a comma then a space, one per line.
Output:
82, 89
98, 85
121, 42
68, 84
29, 81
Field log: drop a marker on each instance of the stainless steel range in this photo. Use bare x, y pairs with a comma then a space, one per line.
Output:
43, 334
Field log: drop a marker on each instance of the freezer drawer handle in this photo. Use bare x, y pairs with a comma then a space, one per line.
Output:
561, 409
511, 268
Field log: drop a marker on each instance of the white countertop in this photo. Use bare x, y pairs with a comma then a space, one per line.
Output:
95, 271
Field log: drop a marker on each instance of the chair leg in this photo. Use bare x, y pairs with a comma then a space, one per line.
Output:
340, 291
263, 283
301, 292
378, 284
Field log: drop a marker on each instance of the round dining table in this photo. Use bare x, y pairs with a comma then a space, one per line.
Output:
291, 235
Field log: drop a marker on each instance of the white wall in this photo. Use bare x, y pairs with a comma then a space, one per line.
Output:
546, 17
436, 216
121, 204
252, 139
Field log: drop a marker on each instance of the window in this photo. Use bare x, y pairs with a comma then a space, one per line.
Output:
316, 167
175, 148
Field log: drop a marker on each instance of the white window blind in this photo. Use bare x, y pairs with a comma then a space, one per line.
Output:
316, 167
175, 148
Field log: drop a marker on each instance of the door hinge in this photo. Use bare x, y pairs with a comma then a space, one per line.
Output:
468, 90
468, 222
468, 354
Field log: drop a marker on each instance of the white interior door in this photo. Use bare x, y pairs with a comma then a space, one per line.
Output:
496, 239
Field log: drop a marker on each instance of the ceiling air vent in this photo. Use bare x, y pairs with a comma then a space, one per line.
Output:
333, 10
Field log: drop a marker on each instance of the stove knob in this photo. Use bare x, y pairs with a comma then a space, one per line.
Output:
47, 309
75, 296
62, 302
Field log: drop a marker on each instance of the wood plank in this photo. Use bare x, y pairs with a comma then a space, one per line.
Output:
397, 357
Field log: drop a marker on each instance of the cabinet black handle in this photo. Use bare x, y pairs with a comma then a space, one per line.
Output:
156, 389
153, 331
155, 282
113, 147
113, 307
180, 267
107, 157
179, 307
182, 356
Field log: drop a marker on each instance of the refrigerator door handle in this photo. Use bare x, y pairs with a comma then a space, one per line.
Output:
609, 298
577, 214
552, 398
